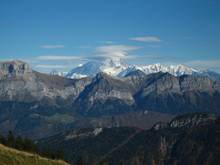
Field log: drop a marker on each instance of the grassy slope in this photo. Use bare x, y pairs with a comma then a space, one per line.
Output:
9, 156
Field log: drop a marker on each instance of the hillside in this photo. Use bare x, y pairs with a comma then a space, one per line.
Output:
9, 156
188, 139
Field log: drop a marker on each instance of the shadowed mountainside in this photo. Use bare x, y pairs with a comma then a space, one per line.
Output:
187, 139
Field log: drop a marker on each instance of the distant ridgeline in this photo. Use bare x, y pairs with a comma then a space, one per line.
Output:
115, 66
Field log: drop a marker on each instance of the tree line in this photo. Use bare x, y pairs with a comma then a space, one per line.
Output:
25, 144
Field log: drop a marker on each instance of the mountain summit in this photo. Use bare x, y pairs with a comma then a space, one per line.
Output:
111, 66
115, 66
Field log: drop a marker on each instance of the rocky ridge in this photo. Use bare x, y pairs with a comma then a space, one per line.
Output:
107, 95
188, 120
182, 141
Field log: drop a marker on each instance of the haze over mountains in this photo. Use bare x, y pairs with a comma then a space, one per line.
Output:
30, 101
116, 66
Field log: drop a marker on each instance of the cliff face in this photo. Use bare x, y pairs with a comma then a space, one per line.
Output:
166, 93
20, 83
14, 68
106, 96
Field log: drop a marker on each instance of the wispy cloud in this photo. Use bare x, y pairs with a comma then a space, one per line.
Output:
147, 56
52, 46
106, 42
146, 39
122, 51
51, 66
58, 58
114, 50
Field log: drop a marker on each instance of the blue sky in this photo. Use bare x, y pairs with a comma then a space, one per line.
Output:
59, 34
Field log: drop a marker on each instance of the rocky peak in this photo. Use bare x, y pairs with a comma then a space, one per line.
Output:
54, 72
101, 75
13, 68
114, 61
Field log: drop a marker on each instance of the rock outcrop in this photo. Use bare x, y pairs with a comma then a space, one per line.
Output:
187, 120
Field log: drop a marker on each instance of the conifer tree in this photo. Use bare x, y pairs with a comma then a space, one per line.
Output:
10, 139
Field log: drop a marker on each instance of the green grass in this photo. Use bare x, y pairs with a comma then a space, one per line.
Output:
9, 156
64, 118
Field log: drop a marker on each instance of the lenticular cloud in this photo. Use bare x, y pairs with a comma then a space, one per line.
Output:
114, 50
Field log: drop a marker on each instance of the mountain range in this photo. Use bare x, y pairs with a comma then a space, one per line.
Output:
36, 104
130, 119
115, 66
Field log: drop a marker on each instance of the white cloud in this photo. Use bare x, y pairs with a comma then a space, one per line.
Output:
51, 66
122, 52
155, 56
106, 42
147, 56
146, 39
58, 58
52, 46
114, 50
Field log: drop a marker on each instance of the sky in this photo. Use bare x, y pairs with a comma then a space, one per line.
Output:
60, 34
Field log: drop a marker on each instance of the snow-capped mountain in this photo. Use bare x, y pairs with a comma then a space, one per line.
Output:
111, 66
118, 67
55, 72
176, 70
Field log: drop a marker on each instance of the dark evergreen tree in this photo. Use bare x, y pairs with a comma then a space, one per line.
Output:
80, 161
102, 163
121, 163
10, 139
30, 146
3, 140
19, 142
47, 152
60, 154
25, 144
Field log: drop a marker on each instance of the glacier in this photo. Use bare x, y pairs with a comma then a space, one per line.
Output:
115, 66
